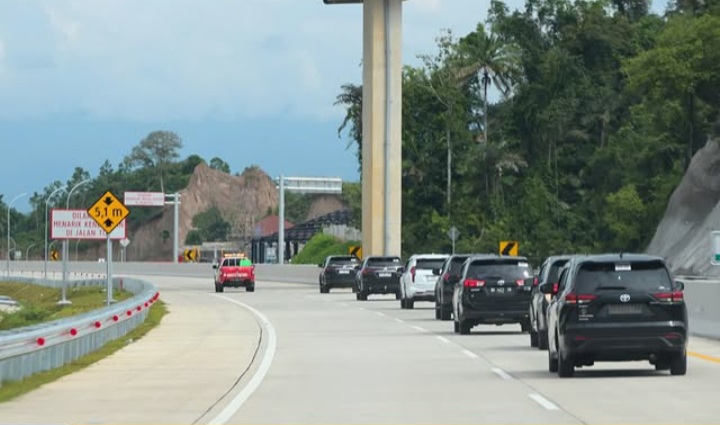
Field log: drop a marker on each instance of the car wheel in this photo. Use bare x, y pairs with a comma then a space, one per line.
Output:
409, 304
437, 312
525, 326
456, 327
398, 296
464, 326
250, 288
324, 289
445, 313
678, 364
542, 340
566, 365
552, 363
533, 339
402, 303
218, 288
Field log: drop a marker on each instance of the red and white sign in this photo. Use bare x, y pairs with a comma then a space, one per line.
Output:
77, 224
144, 199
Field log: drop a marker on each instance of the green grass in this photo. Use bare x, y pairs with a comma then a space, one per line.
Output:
39, 303
319, 247
10, 390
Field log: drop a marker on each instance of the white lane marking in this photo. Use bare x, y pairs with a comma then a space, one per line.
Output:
377, 313
547, 404
236, 403
501, 373
399, 320
442, 339
418, 328
470, 354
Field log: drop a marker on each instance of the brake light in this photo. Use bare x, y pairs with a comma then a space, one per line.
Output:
366, 272
556, 288
676, 296
573, 298
446, 277
535, 281
473, 283
328, 269
412, 272
520, 282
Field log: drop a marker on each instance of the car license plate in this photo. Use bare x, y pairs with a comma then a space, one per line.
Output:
624, 309
344, 272
501, 290
384, 274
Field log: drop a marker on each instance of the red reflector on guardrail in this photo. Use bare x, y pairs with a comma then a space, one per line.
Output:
147, 304
116, 318
41, 341
98, 324
139, 308
129, 313
73, 331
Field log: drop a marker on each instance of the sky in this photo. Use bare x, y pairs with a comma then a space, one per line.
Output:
250, 81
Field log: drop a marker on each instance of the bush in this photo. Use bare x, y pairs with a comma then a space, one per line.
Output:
319, 247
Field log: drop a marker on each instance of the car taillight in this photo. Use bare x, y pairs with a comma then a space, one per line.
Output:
573, 298
472, 283
520, 282
328, 269
556, 288
676, 296
366, 272
412, 273
535, 281
446, 277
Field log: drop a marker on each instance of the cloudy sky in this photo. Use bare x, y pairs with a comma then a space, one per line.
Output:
250, 81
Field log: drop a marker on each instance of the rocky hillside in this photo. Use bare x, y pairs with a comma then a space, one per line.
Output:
683, 236
242, 200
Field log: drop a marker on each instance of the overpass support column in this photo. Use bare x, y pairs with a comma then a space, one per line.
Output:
382, 127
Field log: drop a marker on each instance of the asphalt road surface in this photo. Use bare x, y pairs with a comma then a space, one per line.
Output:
329, 359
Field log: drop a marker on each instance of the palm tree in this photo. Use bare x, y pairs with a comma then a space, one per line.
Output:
351, 97
492, 61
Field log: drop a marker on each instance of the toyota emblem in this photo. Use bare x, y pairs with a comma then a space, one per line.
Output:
501, 282
624, 298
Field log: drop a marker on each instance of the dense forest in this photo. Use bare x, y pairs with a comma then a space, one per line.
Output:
602, 106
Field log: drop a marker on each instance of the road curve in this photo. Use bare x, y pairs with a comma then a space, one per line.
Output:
338, 360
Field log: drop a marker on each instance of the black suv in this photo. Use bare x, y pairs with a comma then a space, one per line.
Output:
617, 307
338, 271
378, 275
549, 273
493, 290
448, 277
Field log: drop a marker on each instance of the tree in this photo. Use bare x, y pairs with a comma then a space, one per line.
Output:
220, 165
193, 238
351, 97
211, 225
156, 151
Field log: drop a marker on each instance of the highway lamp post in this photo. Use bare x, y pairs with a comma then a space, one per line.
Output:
65, 249
8, 229
27, 251
47, 202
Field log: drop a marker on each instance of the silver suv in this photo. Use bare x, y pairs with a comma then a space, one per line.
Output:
417, 282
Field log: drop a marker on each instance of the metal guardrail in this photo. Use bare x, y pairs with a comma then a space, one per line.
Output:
32, 349
702, 296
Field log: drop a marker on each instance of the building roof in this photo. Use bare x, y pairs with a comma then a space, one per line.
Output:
268, 226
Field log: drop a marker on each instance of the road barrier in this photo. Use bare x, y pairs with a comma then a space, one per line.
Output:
32, 349
702, 297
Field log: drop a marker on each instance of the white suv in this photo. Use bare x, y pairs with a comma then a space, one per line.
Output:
417, 282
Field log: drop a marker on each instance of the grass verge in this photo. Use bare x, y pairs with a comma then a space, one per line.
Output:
39, 303
10, 390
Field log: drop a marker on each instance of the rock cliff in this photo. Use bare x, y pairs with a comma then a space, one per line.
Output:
683, 236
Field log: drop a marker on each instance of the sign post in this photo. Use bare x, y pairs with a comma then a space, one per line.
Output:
124, 244
108, 212
453, 233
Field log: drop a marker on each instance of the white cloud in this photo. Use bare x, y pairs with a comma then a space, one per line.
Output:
188, 60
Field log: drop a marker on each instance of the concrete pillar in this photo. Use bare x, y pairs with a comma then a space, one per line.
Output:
382, 127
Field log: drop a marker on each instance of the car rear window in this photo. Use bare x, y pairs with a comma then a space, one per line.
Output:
429, 264
499, 269
456, 264
344, 261
648, 276
229, 262
554, 272
384, 262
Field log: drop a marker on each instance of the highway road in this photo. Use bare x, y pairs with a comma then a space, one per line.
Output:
328, 358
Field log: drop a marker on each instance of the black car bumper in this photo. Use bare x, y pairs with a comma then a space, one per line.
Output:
340, 281
380, 287
239, 283
625, 342
495, 315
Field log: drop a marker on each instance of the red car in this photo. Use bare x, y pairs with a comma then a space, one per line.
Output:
235, 271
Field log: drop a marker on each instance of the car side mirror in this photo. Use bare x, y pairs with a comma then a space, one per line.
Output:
215, 266
680, 286
436, 272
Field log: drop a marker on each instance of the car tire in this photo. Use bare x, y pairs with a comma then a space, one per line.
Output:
219, 288
398, 296
542, 340
464, 327
362, 296
250, 288
445, 313
525, 326
402, 304
566, 366
409, 304
437, 312
456, 327
678, 364
552, 363
533, 339
324, 289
